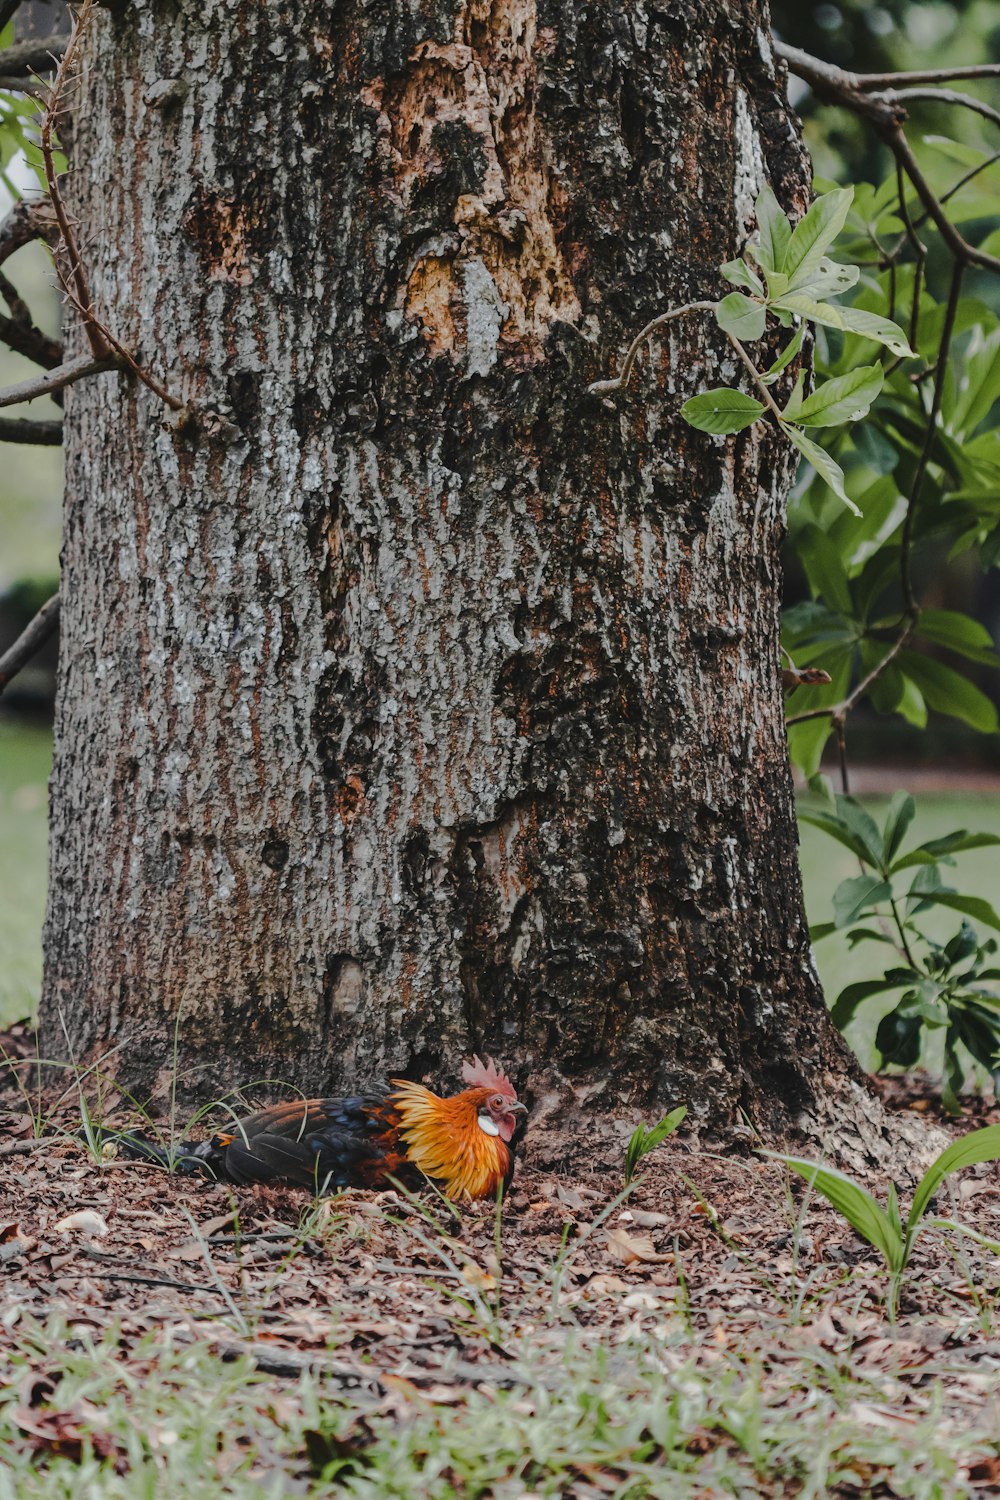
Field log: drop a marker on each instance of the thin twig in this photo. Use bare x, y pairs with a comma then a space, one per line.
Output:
57, 379
952, 96
76, 278
29, 643
609, 387
919, 252
839, 711
867, 82
944, 347
769, 400
24, 1148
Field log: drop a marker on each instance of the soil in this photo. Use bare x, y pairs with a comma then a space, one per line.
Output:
373, 1287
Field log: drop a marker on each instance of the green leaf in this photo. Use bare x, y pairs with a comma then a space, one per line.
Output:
842, 1013
744, 319
828, 280
949, 692
837, 830
858, 1207
821, 930
861, 823
911, 705
849, 320
960, 633
980, 386
666, 1127
738, 273
814, 234
722, 411
856, 895
826, 467
897, 820
774, 230
978, 1146
787, 354
846, 398
824, 568
949, 843
973, 906
898, 1037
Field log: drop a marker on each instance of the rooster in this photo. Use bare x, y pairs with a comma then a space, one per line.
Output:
465, 1143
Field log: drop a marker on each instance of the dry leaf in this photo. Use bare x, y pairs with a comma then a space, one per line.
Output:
477, 1278
634, 1247
84, 1221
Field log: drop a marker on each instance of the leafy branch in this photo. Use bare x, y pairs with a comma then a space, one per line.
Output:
784, 274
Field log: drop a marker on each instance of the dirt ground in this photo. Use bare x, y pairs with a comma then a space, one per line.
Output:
376, 1289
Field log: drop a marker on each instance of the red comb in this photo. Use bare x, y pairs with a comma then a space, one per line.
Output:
487, 1075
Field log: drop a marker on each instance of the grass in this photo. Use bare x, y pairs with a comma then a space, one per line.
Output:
656, 1414
25, 761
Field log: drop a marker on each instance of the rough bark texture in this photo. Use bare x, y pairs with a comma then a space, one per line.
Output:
430, 704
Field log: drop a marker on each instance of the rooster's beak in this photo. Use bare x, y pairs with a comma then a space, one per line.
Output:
514, 1108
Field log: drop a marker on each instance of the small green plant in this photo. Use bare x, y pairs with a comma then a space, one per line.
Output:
645, 1139
785, 274
883, 1227
944, 985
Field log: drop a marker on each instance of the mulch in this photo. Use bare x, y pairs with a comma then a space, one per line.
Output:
371, 1288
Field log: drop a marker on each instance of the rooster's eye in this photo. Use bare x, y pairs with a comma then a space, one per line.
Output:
498, 1101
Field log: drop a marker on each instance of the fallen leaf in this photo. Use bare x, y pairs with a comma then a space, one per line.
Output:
634, 1247
84, 1221
65, 1433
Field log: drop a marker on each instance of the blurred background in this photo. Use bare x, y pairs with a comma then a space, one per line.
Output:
955, 771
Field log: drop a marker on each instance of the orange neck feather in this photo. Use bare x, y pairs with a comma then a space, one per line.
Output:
444, 1139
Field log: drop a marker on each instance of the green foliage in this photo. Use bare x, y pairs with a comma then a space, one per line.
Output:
20, 120
785, 274
646, 1139
883, 1228
921, 466
940, 986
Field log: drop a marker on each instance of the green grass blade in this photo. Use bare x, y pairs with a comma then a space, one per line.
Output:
857, 1206
977, 1146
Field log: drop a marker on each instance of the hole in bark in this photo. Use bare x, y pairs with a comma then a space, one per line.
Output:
275, 852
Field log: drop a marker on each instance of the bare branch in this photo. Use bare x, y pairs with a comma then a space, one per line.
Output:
952, 96
886, 113
26, 339
26, 222
871, 81
40, 55
55, 380
43, 434
29, 642
75, 282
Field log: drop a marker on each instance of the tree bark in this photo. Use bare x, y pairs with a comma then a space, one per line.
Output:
420, 703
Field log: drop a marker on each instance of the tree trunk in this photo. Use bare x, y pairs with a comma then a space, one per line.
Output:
419, 702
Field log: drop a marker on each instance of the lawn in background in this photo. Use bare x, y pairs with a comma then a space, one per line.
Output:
25, 760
